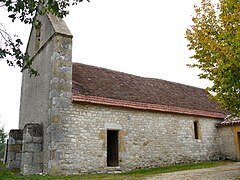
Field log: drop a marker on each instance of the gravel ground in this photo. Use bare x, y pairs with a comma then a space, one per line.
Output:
227, 172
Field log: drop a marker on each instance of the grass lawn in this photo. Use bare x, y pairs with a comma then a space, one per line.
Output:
135, 174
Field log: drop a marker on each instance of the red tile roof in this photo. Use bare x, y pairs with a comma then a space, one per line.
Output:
107, 87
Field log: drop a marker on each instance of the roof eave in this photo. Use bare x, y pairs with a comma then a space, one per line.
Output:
144, 106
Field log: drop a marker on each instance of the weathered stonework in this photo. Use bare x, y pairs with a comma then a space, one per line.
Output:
145, 138
43, 95
32, 149
14, 150
60, 97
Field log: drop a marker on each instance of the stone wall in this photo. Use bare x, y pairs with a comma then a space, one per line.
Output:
14, 149
145, 138
32, 149
230, 142
25, 149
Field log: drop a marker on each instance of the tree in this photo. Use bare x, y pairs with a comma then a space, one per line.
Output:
3, 137
25, 11
215, 39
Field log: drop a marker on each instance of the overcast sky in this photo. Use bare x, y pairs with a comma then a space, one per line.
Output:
139, 37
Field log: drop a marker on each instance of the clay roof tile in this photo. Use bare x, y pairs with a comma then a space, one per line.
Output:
104, 86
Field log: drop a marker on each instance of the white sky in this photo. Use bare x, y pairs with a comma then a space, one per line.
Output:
139, 37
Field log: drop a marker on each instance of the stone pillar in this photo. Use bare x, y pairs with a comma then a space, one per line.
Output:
60, 98
32, 149
14, 150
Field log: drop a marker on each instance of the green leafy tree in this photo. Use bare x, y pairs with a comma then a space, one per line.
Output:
3, 137
25, 11
214, 38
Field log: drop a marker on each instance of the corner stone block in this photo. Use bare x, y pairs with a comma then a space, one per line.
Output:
55, 119
31, 169
38, 157
32, 147
27, 158
37, 139
57, 136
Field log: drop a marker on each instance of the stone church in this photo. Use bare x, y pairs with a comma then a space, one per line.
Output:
77, 118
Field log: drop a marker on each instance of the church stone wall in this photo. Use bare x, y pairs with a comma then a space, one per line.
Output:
35, 90
42, 96
51, 60
145, 138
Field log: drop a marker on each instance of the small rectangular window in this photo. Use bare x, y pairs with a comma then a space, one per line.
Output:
196, 135
238, 135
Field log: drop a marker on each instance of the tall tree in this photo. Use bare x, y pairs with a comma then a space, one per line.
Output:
25, 11
215, 39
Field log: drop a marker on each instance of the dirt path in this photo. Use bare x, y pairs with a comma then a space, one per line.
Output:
227, 172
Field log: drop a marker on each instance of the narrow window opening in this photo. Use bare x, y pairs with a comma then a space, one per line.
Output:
238, 134
196, 130
112, 148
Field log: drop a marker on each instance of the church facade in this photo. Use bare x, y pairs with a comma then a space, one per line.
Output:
77, 118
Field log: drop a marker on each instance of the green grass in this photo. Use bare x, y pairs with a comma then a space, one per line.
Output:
135, 174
